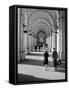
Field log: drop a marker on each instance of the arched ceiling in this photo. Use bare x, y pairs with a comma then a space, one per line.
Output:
41, 13
41, 27
41, 23
40, 19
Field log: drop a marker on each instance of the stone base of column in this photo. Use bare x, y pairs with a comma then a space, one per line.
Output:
21, 56
62, 56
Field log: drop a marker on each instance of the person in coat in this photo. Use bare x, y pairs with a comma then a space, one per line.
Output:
36, 48
55, 56
46, 55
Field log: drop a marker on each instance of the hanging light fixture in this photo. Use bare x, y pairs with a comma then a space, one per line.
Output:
25, 23
24, 28
30, 31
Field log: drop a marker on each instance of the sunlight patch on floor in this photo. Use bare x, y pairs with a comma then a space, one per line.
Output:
38, 52
37, 56
41, 58
38, 71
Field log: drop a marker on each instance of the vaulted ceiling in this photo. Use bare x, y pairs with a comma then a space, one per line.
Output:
41, 20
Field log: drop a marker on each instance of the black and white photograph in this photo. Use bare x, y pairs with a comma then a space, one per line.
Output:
34, 52
41, 45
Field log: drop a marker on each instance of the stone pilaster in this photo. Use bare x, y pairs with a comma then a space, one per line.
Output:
19, 34
53, 38
63, 36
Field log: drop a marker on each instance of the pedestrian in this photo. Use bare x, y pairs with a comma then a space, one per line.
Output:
55, 56
46, 55
36, 48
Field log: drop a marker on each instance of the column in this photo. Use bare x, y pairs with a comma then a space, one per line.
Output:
50, 43
60, 35
25, 27
63, 36
29, 42
48, 39
58, 44
58, 41
19, 34
53, 37
57, 13
63, 45
25, 42
53, 41
32, 42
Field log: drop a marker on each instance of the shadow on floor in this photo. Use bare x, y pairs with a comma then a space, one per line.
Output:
31, 62
61, 68
35, 62
39, 63
28, 78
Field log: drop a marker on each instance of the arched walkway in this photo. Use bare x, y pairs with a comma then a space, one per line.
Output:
41, 29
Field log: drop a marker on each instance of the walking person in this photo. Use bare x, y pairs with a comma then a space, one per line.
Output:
55, 56
46, 55
36, 48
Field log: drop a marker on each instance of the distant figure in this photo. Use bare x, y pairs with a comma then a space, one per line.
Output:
46, 55
36, 48
55, 56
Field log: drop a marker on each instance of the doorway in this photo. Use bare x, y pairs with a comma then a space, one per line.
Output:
41, 40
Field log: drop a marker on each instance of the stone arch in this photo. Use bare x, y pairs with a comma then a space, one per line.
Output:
41, 38
41, 26
41, 14
37, 12
43, 21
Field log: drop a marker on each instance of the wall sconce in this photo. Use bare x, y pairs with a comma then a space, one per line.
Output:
54, 32
30, 34
30, 31
24, 26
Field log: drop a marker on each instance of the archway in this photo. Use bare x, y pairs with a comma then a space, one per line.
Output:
41, 20
41, 39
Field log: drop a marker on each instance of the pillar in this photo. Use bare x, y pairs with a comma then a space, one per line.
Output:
58, 45
57, 18
50, 43
19, 34
25, 30
53, 41
25, 43
29, 43
63, 36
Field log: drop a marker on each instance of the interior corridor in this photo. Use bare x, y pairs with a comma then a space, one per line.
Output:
40, 30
